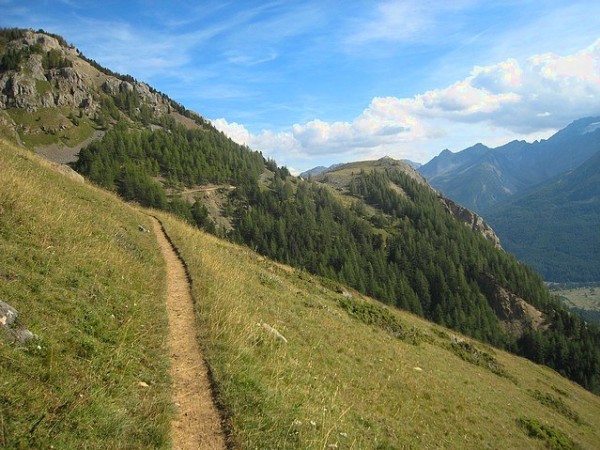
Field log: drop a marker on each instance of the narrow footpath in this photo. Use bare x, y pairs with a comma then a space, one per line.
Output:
197, 424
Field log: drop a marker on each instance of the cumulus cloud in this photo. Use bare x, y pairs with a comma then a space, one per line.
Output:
511, 99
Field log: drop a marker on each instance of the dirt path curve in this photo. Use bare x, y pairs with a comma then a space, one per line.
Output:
197, 424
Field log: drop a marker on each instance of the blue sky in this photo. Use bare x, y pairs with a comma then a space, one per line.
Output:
317, 82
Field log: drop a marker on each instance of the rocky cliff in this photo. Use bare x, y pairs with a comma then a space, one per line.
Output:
472, 220
55, 100
35, 83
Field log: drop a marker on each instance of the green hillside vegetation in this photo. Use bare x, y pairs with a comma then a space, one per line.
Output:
411, 254
91, 286
130, 161
358, 374
353, 372
555, 227
391, 238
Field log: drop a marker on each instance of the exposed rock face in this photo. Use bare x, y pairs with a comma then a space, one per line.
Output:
514, 313
472, 220
19, 91
35, 87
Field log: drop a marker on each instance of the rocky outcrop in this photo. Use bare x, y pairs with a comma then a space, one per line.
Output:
35, 87
9, 327
472, 220
71, 90
18, 91
514, 313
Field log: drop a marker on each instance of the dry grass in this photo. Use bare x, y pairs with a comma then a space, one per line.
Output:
91, 286
352, 373
583, 297
346, 379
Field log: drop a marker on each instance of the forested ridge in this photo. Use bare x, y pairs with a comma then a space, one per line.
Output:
411, 253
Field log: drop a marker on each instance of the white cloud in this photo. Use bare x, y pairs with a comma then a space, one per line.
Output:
509, 100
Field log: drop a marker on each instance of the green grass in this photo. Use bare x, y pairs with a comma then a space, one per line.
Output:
48, 126
581, 297
557, 404
552, 438
347, 376
92, 287
42, 87
353, 372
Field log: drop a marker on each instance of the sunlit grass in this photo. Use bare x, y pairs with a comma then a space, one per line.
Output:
91, 286
346, 377
353, 373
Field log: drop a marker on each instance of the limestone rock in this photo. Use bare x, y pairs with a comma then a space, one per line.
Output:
35, 67
472, 220
515, 314
8, 317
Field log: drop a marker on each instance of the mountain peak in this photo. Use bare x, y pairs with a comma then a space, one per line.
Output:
72, 100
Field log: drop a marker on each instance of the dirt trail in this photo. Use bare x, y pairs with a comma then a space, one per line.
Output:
197, 424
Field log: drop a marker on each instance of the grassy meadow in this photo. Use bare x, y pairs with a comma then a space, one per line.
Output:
587, 297
91, 286
354, 374
298, 362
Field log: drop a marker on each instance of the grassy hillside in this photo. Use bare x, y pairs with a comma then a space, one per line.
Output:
91, 286
355, 374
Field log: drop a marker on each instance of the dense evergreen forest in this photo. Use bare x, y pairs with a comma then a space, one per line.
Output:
411, 253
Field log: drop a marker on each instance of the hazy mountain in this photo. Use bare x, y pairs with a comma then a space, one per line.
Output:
555, 226
480, 177
317, 170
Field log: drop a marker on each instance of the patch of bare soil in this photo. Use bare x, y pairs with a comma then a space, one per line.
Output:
197, 424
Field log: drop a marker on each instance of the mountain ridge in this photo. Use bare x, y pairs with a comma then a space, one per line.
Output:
480, 177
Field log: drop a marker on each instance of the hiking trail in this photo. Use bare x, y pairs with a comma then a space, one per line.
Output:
197, 424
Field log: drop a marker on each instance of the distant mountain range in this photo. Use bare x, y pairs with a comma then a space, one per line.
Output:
555, 226
541, 198
480, 177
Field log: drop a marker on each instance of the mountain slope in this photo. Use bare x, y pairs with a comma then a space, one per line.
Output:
391, 238
90, 285
354, 373
480, 177
55, 100
555, 226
